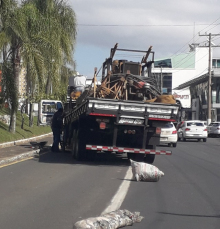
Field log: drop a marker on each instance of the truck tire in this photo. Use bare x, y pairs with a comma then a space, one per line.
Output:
149, 158
80, 147
73, 144
136, 156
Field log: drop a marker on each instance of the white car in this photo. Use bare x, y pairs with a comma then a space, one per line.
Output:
214, 129
193, 129
168, 134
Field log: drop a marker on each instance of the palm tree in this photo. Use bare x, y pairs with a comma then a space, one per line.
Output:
41, 33
19, 44
60, 29
11, 55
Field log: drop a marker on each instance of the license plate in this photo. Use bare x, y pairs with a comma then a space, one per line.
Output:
131, 121
165, 132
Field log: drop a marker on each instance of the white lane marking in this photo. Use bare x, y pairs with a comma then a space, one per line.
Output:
120, 195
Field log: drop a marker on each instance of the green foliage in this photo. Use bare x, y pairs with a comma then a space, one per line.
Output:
27, 132
42, 34
9, 86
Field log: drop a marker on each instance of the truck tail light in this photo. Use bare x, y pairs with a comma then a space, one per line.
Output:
205, 129
102, 125
158, 130
187, 129
174, 132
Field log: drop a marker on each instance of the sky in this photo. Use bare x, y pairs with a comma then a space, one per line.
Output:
167, 25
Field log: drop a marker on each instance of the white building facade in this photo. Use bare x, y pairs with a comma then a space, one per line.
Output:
178, 69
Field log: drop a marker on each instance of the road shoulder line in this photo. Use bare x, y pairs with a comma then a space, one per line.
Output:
120, 195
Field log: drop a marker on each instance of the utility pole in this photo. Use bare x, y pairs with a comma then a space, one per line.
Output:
161, 79
209, 102
161, 64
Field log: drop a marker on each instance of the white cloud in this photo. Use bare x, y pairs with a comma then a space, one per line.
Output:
139, 24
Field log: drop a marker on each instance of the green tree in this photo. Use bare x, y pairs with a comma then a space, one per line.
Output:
41, 33
60, 28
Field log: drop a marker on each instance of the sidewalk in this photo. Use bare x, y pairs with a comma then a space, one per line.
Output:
16, 151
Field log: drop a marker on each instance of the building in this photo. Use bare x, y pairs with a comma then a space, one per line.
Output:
178, 69
199, 93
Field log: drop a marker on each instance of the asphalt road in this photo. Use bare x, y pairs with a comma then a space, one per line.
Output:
54, 191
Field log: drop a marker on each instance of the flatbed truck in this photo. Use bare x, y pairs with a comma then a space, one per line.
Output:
123, 123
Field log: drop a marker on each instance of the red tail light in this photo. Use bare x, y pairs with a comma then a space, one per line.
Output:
187, 129
158, 130
218, 128
205, 129
102, 125
174, 132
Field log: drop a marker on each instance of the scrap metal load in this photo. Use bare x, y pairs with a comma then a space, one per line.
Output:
127, 87
121, 113
128, 80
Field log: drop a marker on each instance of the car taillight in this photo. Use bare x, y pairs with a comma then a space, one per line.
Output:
205, 129
187, 129
218, 128
158, 130
174, 132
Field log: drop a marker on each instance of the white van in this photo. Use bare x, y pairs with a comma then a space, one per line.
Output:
46, 110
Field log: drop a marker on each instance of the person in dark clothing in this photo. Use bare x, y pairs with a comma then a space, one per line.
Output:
57, 125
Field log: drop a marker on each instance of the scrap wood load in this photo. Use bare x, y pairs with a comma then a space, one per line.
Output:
130, 87
111, 220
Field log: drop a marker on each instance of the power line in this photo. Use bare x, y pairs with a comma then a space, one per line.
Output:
196, 35
129, 25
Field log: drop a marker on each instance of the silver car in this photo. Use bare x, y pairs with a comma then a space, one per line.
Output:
192, 130
214, 129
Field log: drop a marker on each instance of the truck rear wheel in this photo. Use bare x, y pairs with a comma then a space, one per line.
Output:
80, 147
136, 156
73, 144
149, 158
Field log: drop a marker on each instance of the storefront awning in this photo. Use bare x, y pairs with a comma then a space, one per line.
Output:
192, 82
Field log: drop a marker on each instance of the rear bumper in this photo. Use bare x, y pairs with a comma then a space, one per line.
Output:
215, 132
195, 136
168, 139
127, 150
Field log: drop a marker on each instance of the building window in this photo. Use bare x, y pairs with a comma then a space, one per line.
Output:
167, 84
216, 63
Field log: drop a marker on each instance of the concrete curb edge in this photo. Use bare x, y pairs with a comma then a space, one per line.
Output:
13, 143
19, 157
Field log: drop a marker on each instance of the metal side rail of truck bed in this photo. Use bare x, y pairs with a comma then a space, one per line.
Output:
124, 109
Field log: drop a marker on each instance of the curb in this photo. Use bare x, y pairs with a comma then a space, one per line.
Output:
19, 157
13, 143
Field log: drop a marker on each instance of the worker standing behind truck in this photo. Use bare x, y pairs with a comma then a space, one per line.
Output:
79, 83
57, 126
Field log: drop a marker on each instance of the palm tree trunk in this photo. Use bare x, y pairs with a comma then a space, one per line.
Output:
48, 86
16, 69
28, 90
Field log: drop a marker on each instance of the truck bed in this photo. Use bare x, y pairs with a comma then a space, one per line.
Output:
125, 109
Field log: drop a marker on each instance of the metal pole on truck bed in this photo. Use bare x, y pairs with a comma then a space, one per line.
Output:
94, 82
